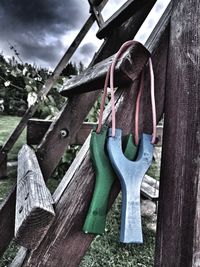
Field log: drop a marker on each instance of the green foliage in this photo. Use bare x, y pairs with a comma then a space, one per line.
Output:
66, 161
9, 255
93, 115
19, 81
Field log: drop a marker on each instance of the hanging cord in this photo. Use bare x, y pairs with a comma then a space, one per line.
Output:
137, 109
153, 105
110, 74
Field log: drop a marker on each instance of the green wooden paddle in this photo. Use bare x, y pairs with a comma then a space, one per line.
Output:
105, 176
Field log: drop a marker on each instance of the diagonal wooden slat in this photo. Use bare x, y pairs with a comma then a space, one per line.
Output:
127, 69
121, 15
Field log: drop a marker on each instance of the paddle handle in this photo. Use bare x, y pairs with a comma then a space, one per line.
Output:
96, 216
131, 225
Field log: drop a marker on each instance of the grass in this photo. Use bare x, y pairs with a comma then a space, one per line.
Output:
7, 125
105, 250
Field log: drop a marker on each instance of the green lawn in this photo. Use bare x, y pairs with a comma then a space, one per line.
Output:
7, 125
105, 251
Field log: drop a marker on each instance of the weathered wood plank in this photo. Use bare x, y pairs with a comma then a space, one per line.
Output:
150, 188
49, 158
36, 129
66, 244
47, 86
127, 69
7, 220
121, 15
121, 34
3, 167
95, 10
178, 233
34, 211
21, 255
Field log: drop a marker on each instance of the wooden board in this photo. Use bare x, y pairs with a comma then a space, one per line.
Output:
3, 167
34, 210
128, 68
150, 188
121, 15
178, 232
36, 129
66, 244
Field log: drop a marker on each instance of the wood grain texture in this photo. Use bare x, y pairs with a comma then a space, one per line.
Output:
178, 235
48, 161
121, 15
150, 187
36, 129
3, 167
7, 220
65, 243
34, 211
127, 69
96, 12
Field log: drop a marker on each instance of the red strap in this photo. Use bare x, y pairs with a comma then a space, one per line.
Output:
110, 74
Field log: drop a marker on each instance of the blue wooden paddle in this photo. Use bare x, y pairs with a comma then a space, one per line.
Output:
130, 174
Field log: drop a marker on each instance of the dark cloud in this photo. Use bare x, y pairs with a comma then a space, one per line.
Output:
36, 27
87, 48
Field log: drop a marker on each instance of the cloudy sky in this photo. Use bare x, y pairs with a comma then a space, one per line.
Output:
41, 30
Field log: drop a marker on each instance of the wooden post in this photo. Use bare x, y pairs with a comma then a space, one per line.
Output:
34, 210
178, 235
3, 167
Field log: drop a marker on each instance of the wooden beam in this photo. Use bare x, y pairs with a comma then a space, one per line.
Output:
3, 167
71, 120
34, 211
95, 10
36, 129
178, 232
127, 69
7, 220
121, 15
67, 246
